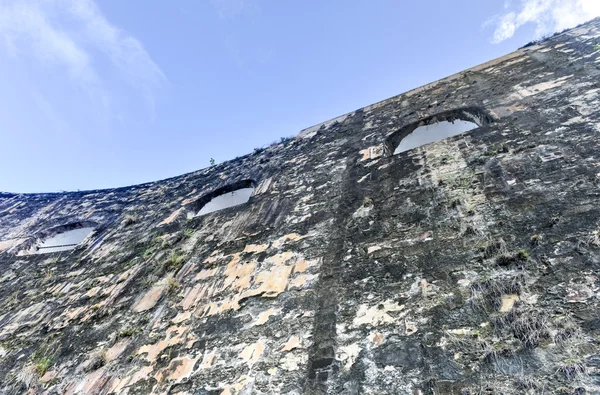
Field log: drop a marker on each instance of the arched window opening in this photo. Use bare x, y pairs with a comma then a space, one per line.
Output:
229, 196
435, 132
436, 128
64, 238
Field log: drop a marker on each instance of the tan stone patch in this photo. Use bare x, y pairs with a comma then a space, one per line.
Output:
75, 273
115, 351
171, 217
245, 278
281, 258
253, 352
49, 376
523, 92
363, 178
124, 276
109, 290
190, 295
205, 273
265, 315
256, 248
373, 249
174, 335
293, 361
292, 343
93, 292
104, 279
508, 301
93, 383
207, 361
8, 244
301, 281
191, 340
214, 257
376, 338
301, 266
178, 370
378, 314
371, 152
263, 186
149, 300
92, 310
283, 239
237, 387
410, 328
142, 374
239, 276
68, 316
182, 317
307, 198
231, 303
56, 288
272, 282
191, 199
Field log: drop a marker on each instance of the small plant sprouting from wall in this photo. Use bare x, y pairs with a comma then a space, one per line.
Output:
41, 360
48, 276
571, 369
175, 261
173, 285
521, 257
128, 332
148, 252
42, 365
129, 220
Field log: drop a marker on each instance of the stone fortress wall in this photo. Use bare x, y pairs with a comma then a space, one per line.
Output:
464, 266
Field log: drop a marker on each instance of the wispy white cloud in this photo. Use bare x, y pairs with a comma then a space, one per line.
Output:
70, 33
548, 16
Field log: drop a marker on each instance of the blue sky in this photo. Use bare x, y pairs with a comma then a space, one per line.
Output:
119, 92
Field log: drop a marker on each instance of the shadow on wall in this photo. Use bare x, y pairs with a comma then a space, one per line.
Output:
435, 128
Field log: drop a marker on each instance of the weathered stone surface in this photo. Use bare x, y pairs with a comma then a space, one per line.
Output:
464, 266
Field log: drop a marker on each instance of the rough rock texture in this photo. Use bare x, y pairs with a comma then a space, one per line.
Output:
466, 266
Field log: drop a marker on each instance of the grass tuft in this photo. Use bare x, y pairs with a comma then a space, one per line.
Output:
129, 220
128, 332
175, 261
572, 369
173, 284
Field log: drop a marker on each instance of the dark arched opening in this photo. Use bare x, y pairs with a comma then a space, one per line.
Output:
64, 237
228, 196
436, 128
